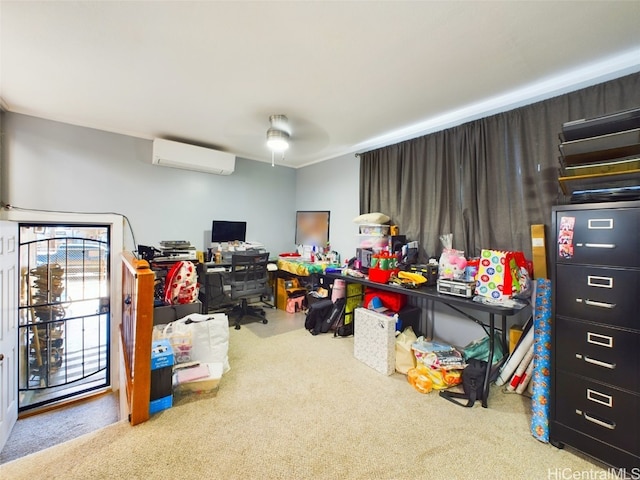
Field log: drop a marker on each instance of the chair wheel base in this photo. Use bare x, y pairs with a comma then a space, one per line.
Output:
265, 321
237, 327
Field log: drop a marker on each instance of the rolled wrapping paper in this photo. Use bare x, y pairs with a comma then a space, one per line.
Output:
541, 362
525, 379
520, 370
516, 357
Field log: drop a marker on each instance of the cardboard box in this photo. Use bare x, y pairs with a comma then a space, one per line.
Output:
161, 394
539, 251
287, 288
354, 289
374, 341
351, 304
515, 332
160, 404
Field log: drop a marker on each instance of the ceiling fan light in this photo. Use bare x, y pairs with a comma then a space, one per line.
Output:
277, 140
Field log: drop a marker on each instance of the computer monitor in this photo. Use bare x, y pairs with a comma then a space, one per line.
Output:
226, 231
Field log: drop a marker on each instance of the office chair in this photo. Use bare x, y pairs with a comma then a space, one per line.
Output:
248, 278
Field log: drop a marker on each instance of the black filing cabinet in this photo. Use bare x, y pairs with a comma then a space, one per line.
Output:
595, 378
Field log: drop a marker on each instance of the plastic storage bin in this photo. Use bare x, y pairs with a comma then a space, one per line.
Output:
373, 242
374, 229
207, 384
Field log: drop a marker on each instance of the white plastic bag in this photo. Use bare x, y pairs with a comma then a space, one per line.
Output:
179, 335
209, 336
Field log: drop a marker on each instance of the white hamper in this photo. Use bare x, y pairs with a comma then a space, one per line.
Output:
374, 340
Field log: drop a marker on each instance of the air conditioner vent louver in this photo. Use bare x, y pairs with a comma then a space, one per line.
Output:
167, 153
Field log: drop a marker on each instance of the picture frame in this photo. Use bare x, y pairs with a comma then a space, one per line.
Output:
312, 227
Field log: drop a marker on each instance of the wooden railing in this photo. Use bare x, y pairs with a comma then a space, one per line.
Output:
135, 334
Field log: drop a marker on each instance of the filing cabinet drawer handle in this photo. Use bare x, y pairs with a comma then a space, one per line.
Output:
600, 245
600, 224
601, 282
599, 397
610, 426
600, 363
593, 303
600, 340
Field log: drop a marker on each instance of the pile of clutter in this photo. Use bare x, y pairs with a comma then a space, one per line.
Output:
189, 357
431, 365
438, 366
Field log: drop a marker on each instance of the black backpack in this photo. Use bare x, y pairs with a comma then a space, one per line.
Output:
317, 312
473, 377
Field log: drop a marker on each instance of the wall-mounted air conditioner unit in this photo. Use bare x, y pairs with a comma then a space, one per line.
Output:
167, 153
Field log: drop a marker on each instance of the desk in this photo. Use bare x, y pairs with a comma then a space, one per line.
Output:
431, 293
212, 280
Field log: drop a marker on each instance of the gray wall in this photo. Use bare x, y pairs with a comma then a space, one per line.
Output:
56, 166
333, 185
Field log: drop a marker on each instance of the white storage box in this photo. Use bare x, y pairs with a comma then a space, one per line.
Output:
374, 340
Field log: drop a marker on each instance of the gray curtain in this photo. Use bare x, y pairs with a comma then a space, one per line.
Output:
486, 181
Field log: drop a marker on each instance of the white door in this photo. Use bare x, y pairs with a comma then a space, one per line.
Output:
8, 329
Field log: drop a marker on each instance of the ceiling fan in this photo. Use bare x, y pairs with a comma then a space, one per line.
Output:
278, 136
246, 135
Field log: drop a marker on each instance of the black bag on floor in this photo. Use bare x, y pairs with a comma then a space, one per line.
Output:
473, 377
334, 316
317, 312
342, 329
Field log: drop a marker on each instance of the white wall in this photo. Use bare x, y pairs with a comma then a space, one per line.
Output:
56, 166
333, 185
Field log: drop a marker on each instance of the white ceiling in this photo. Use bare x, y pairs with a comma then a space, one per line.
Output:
350, 76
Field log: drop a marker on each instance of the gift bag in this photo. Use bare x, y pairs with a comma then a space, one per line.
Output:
500, 274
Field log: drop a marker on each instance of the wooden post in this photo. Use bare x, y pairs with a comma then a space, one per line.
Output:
136, 333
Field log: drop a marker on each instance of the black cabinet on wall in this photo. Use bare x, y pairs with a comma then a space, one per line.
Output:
595, 380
